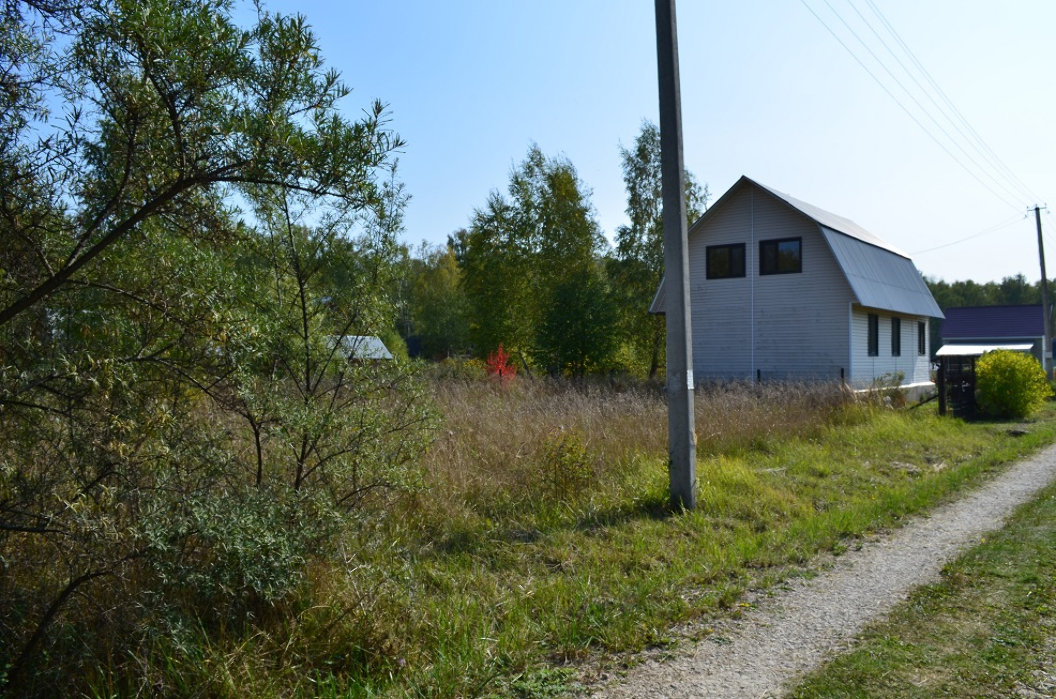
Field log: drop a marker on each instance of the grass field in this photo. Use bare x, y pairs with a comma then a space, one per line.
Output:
542, 537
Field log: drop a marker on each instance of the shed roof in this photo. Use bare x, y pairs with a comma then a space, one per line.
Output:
362, 346
880, 275
980, 350
978, 322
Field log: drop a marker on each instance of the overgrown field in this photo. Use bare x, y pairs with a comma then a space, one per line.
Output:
541, 537
543, 534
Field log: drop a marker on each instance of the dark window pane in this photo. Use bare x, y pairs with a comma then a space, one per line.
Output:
724, 261
874, 335
780, 256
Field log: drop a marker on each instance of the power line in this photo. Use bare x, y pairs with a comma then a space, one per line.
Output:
952, 107
969, 135
909, 93
973, 172
992, 229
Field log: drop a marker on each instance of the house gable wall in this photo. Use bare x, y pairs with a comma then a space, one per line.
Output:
782, 326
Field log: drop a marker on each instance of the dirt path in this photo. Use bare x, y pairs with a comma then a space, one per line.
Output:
794, 631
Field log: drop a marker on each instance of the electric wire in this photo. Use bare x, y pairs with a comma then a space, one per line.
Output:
992, 229
1011, 184
909, 93
985, 147
905, 109
994, 169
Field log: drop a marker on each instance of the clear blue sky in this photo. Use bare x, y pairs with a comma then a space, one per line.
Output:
766, 92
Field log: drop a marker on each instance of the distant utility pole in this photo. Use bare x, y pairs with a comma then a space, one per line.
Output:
1046, 362
681, 440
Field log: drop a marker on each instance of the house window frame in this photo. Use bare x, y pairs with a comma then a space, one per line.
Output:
776, 243
873, 335
896, 337
734, 271
922, 338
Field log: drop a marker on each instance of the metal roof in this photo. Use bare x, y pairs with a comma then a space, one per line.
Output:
362, 346
880, 275
979, 322
830, 220
880, 278
980, 350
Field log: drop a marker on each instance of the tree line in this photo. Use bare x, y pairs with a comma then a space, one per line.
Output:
1010, 291
533, 272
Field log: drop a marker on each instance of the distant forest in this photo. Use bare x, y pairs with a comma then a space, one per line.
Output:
1010, 291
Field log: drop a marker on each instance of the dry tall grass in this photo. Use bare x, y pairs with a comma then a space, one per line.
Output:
506, 444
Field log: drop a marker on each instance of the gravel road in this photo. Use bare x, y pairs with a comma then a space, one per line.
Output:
793, 631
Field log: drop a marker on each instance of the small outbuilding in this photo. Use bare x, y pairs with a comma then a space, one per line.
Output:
783, 290
362, 347
993, 326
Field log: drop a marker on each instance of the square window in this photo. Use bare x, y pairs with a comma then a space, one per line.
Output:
782, 256
896, 337
874, 335
725, 261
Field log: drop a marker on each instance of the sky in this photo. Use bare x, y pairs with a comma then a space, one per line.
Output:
767, 92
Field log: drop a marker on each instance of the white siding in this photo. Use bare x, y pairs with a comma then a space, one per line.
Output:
915, 367
793, 326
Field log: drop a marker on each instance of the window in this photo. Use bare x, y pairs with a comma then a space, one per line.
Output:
922, 338
896, 337
874, 335
780, 256
725, 261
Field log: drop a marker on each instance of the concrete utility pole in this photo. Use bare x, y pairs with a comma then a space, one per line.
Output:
681, 440
1046, 363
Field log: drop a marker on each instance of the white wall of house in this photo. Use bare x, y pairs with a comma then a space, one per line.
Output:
915, 367
786, 326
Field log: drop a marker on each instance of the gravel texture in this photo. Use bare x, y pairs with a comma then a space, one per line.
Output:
793, 631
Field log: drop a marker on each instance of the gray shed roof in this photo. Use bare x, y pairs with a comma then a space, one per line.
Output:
362, 346
880, 275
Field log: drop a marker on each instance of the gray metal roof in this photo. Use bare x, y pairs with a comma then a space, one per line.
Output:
881, 279
362, 346
831, 220
880, 275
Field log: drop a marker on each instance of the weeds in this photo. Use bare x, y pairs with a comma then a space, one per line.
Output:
541, 536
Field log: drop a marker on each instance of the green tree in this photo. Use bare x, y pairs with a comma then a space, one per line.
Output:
439, 310
525, 256
183, 246
638, 264
494, 254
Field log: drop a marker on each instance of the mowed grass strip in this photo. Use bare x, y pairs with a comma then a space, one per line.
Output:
988, 629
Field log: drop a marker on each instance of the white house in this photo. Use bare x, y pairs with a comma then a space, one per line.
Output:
780, 289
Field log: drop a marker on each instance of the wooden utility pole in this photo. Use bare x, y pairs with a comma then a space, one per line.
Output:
681, 440
1046, 362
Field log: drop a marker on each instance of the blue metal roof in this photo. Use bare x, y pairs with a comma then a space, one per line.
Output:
975, 322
